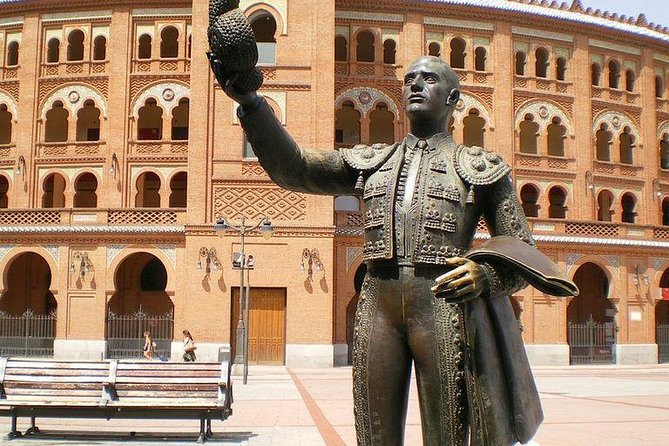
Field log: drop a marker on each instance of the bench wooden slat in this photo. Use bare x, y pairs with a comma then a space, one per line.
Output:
154, 365
55, 372
27, 364
184, 374
163, 380
50, 379
46, 392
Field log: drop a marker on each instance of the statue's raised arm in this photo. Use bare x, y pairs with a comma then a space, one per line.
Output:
233, 59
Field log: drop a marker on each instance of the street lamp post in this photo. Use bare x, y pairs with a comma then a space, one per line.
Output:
241, 337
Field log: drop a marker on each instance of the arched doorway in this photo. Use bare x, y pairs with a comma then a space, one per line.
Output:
591, 323
352, 307
139, 304
662, 320
27, 308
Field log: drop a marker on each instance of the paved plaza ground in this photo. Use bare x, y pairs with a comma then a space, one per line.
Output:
584, 406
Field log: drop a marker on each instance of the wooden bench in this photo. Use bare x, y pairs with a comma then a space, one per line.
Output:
114, 389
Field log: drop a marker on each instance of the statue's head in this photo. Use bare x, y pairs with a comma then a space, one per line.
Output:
431, 90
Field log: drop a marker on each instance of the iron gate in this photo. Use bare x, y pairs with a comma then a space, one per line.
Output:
662, 338
592, 343
27, 335
125, 334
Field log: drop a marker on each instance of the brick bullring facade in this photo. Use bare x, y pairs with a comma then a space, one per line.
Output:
118, 152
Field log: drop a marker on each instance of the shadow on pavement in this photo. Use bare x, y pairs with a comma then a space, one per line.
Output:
80, 437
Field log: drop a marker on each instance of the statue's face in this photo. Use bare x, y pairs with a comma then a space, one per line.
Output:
426, 90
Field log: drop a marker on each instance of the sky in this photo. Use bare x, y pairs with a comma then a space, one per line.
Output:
656, 11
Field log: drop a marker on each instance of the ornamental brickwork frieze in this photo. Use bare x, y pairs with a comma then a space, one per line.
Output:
12, 88
140, 83
567, 104
254, 202
48, 86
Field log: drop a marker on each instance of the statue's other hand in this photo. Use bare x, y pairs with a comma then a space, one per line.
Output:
464, 282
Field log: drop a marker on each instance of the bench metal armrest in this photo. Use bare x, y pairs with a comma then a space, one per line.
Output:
3, 369
109, 385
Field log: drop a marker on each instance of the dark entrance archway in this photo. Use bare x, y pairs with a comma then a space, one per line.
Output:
352, 307
591, 321
139, 304
27, 308
662, 320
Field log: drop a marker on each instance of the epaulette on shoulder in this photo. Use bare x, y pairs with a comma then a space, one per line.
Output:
365, 158
479, 167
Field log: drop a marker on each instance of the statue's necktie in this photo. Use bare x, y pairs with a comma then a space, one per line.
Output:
412, 175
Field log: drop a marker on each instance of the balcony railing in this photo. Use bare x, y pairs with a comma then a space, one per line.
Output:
474, 77
67, 149
76, 68
177, 65
7, 151
575, 228
367, 69
9, 73
164, 147
529, 161
607, 168
615, 95
92, 217
543, 84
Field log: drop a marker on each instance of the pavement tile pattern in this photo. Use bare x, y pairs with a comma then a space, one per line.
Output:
584, 406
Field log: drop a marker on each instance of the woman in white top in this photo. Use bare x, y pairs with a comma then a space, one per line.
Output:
189, 347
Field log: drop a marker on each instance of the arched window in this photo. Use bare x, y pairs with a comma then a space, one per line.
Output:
665, 212
5, 125
556, 136
630, 80
341, 49
53, 188
557, 198
473, 131
75, 45
595, 74
603, 140
626, 146
56, 125
521, 60
529, 132
664, 151
148, 191
529, 196
180, 116
150, 122
169, 43
264, 27
541, 65
614, 74
85, 191
4, 192
178, 190
480, 55
347, 124
381, 125
144, 48
561, 69
365, 48
434, 49
659, 87
604, 205
53, 51
13, 54
88, 122
100, 48
389, 50
458, 54
628, 203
